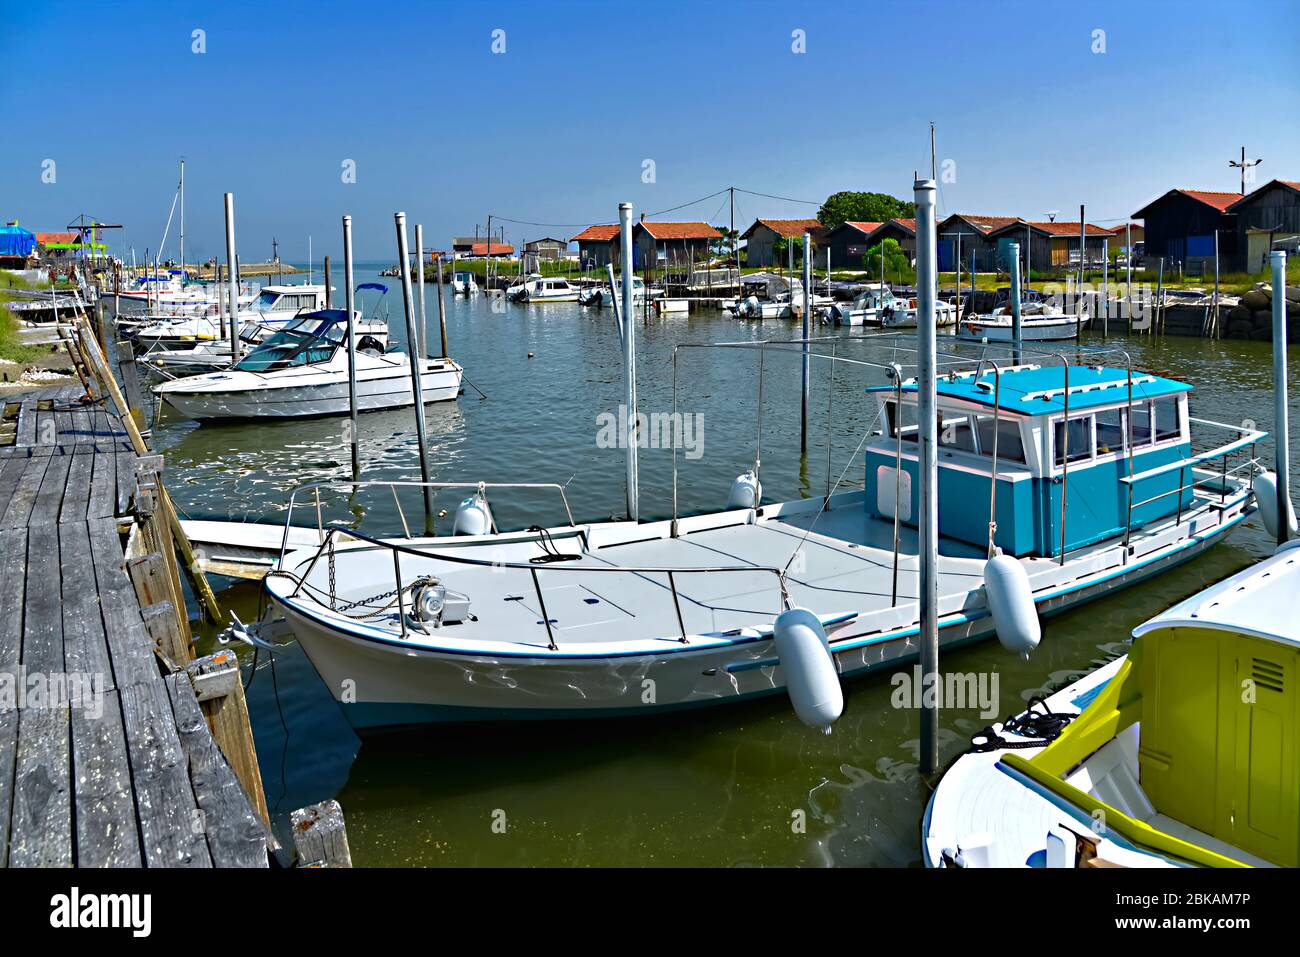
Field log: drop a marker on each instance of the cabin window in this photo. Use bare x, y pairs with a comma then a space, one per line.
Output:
907, 423
956, 432
1010, 446
1080, 436
1140, 425
1110, 431
1167, 424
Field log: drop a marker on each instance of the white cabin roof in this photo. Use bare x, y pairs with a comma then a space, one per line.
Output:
1259, 601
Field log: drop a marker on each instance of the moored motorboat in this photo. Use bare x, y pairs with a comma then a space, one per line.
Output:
1181, 753
303, 371
1033, 328
272, 309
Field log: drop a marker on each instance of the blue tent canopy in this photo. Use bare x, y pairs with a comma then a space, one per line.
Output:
16, 241
372, 285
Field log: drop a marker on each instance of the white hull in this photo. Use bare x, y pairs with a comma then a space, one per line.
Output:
1032, 329
314, 393
610, 648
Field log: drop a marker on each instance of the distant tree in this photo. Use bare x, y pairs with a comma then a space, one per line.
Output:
863, 207
898, 267
721, 247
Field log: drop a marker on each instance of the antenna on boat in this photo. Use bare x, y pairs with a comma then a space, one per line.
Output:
348, 296
629, 357
1013, 260
927, 429
412, 349
232, 281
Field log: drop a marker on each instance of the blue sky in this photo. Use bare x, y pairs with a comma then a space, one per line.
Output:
556, 129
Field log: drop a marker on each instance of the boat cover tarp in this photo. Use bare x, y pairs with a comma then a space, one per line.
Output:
16, 241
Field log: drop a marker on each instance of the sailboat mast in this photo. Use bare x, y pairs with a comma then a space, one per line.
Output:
183, 276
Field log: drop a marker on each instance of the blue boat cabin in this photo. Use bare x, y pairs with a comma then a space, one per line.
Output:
1039, 455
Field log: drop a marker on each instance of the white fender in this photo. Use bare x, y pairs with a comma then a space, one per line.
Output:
746, 491
473, 517
811, 679
1011, 602
1266, 497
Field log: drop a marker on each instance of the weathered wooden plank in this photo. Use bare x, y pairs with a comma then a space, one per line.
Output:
108, 833
103, 486
41, 827
129, 645
10, 475
42, 649
76, 495
125, 463
50, 498
65, 434
8, 754
21, 503
170, 823
13, 584
27, 422
85, 644
234, 832
83, 432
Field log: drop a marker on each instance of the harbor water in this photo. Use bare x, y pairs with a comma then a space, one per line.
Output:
738, 785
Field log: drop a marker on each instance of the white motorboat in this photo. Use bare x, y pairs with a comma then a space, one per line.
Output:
866, 309
538, 288
901, 314
463, 284
213, 356
1033, 328
302, 371
598, 295
593, 620
274, 308
1182, 752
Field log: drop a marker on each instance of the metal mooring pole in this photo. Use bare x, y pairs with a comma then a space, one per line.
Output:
1281, 438
928, 427
348, 296
417, 364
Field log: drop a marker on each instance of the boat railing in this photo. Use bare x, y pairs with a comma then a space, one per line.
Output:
1246, 439
316, 488
330, 597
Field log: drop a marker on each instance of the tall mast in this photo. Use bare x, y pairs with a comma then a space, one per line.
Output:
182, 219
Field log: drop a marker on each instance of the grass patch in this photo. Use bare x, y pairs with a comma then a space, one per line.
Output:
11, 345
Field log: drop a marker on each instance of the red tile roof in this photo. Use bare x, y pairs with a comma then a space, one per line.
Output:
1060, 228
865, 228
597, 234
1219, 201
789, 228
44, 238
985, 224
906, 223
498, 249
679, 230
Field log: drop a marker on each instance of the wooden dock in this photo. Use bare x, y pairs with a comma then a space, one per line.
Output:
130, 775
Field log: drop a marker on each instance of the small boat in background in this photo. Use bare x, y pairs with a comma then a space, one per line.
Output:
866, 309
463, 284
538, 288
598, 295
1183, 752
1033, 328
274, 308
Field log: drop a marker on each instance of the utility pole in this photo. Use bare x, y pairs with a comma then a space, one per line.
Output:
735, 246
1244, 164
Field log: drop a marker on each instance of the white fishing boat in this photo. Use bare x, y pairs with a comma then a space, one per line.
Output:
1181, 753
1082, 476
1033, 327
463, 284
302, 371
274, 308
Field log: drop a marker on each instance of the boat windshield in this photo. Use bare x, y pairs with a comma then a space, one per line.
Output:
310, 339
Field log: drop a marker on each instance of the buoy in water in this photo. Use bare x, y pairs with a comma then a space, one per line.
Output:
473, 516
811, 679
1266, 497
746, 491
1011, 603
